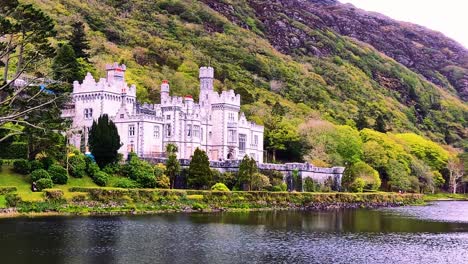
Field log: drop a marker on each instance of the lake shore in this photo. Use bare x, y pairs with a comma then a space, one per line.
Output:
116, 201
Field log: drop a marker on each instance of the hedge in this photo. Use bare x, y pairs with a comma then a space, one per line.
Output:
250, 199
53, 194
7, 189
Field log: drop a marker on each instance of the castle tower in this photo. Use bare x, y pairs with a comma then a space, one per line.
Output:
164, 91
115, 73
206, 84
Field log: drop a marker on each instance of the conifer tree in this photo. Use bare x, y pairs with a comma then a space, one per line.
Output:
247, 169
172, 164
200, 174
104, 141
78, 40
65, 66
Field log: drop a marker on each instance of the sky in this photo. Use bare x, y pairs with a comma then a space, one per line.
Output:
447, 16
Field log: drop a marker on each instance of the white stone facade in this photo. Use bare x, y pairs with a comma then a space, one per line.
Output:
215, 124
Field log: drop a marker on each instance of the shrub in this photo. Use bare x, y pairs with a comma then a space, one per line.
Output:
1, 164
53, 194
126, 183
22, 166
358, 185
113, 168
44, 184
163, 182
7, 189
92, 168
12, 199
39, 174
310, 185
58, 174
47, 162
280, 188
260, 181
101, 178
220, 187
365, 172
35, 165
198, 206
77, 166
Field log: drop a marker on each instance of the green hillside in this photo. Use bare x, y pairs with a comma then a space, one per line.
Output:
354, 84
340, 89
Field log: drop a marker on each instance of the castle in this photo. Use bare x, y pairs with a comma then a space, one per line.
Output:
214, 124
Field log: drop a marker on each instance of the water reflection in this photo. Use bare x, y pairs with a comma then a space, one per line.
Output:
403, 235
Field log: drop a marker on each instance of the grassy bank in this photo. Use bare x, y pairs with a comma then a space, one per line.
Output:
446, 196
82, 196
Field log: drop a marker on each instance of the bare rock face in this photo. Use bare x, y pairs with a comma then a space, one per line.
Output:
286, 23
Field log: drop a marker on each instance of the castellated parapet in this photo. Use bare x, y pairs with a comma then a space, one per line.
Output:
206, 72
214, 124
226, 97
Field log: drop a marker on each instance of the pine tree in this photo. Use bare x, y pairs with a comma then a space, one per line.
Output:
172, 164
200, 175
104, 141
65, 66
78, 40
247, 169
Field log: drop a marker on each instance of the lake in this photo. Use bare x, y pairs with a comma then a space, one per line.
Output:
437, 233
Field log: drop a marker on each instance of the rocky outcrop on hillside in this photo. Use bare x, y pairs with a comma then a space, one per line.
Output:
286, 22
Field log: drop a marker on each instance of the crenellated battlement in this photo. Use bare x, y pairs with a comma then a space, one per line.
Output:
226, 97
206, 72
89, 85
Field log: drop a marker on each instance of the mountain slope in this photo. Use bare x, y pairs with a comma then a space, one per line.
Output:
440, 59
273, 51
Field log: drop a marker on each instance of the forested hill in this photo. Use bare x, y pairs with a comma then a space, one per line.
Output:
438, 58
289, 58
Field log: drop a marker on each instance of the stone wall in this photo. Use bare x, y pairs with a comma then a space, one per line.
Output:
305, 170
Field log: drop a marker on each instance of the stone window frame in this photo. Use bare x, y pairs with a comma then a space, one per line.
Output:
88, 113
131, 130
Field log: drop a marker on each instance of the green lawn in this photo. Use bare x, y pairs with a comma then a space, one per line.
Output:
23, 185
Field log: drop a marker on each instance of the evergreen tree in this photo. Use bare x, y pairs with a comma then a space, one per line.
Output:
78, 40
172, 163
104, 141
65, 66
200, 174
247, 169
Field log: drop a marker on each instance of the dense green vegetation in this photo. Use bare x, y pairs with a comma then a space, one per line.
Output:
350, 107
81, 196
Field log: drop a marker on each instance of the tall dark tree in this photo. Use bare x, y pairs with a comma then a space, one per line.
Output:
200, 175
65, 66
78, 40
247, 169
104, 141
172, 163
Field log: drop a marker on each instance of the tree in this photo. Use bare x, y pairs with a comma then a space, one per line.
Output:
25, 34
78, 40
260, 182
247, 168
65, 66
172, 163
278, 133
456, 170
140, 171
398, 176
104, 141
366, 175
200, 175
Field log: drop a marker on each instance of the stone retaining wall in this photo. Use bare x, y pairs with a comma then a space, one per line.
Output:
305, 170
